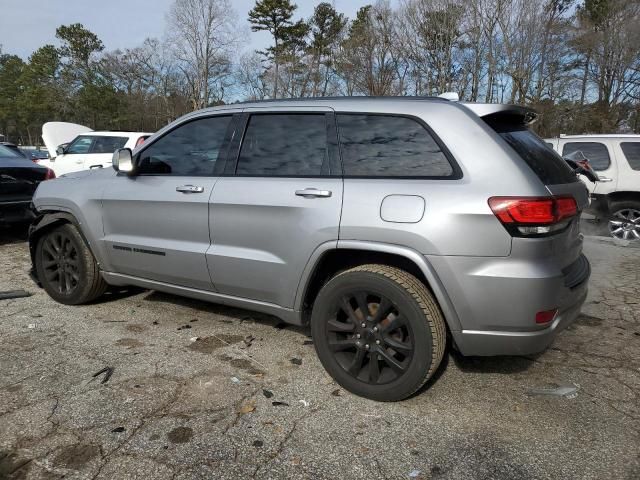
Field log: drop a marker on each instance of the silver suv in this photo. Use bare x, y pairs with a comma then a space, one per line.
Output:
389, 225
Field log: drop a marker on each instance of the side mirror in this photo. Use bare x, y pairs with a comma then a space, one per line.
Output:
122, 160
61, 150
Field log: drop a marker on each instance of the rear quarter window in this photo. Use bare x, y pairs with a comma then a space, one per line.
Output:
389, 146
108, 144
631, 152
596, 152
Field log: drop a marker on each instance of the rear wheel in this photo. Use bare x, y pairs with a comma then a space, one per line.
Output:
66, 267
624, 220
378, 331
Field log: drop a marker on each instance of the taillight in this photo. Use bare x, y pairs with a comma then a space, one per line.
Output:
50, 175
533, 215
140, 141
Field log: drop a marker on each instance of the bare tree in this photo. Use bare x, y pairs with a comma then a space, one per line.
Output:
203, 34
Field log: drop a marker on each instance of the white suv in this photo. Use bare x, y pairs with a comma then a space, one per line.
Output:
616, 160
76, 147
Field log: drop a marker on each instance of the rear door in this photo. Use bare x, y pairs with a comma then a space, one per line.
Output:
280, 198
156, 224
102, 150
602, 160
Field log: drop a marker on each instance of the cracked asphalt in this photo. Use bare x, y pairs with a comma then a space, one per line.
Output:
249, 398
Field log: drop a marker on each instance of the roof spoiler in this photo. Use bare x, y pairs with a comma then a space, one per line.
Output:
495, 112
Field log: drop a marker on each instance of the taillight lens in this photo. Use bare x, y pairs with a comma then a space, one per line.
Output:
533, 215
50, 175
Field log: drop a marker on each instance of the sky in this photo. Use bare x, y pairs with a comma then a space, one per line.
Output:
26, 25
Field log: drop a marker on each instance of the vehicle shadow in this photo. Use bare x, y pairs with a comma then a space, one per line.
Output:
11, 234
235, 313
503, 364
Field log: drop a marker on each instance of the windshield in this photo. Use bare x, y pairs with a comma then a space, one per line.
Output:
9, 152
550, 168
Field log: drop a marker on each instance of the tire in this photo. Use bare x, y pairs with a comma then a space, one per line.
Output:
66, 267
624, 220
403, 339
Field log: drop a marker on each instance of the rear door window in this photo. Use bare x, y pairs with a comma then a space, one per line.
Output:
389, 146
631, 152
550, 168
596, 152
289, 145
108, 144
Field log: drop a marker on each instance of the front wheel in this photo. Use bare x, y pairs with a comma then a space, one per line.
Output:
624, 220
378, 331
66, 267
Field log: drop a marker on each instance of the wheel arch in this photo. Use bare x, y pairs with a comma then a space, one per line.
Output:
623, 196
332, 258
45, 222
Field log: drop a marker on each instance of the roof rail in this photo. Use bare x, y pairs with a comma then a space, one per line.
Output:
346, 97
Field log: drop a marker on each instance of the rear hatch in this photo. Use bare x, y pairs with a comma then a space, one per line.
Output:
511, 124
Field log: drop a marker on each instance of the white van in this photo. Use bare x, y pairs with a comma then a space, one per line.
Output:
616, 160
75, 147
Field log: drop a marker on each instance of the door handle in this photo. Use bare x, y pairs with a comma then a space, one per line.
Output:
313, 193
95, 166
189, 189
604, 179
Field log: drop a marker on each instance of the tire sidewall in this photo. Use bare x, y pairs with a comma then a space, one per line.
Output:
84, 255
323, 309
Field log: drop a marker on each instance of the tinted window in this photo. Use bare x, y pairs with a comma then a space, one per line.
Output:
550, 168
108, 144
631, 152
9, 152
386, 146
191, 149
596, 153
284, 145
80, 145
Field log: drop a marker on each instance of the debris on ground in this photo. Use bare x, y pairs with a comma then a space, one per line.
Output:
267, 393
235, 380
566, 391
304, 403
336, 392
258, 443
118, 430
414, 473
194, 320
296, 361
9, 294
248, 340
155, 322
194, 339
32, 325
108, 371
279, 404
247, 407
183, 327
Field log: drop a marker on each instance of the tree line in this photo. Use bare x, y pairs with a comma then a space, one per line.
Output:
577, 62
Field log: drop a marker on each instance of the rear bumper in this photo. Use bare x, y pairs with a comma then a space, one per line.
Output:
489, 343
16, 211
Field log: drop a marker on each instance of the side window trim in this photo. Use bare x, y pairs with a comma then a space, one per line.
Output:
456, 173
222, 159
335, 167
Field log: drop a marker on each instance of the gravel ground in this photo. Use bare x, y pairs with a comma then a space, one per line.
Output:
177, 408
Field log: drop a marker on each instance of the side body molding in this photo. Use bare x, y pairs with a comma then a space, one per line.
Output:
421, 262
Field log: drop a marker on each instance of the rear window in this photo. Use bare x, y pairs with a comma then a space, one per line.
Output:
550, 168
596, 152
8, 152
631, 152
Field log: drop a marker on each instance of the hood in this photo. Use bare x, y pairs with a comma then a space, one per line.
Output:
57, 133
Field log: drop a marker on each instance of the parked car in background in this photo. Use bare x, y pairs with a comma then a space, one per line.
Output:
616, 195
75, 147
18, 181
388, 224
14, 147
36, 155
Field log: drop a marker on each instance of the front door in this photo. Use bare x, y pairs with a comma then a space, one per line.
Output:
280, 200
156, 223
